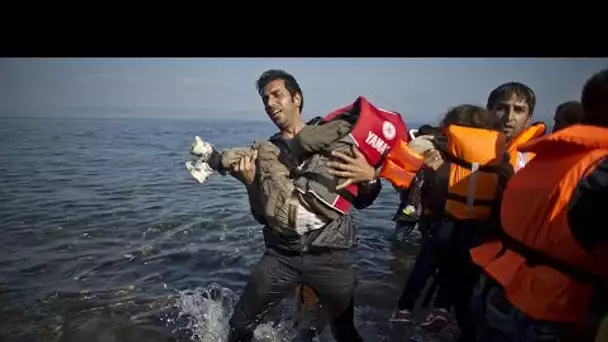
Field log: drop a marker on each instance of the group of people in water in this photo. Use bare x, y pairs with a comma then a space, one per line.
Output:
509, 213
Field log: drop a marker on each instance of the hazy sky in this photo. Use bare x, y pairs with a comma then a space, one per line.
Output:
420, 89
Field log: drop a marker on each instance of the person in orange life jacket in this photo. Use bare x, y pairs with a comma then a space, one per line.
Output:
319, 259
514, 102
476, 170
567, 114
542, 272
472, 141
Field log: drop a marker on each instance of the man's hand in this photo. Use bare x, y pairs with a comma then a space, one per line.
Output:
433, 159
355, 170
244, 170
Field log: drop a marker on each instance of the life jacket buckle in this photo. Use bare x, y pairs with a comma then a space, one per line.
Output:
472, 186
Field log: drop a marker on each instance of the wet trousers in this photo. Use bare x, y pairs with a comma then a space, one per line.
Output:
330, 274
459, 276
447, 247
431, 255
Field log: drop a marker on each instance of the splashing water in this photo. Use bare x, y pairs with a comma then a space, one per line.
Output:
268, 332
205, 313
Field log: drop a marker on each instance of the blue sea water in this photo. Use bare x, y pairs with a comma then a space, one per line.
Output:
105, 236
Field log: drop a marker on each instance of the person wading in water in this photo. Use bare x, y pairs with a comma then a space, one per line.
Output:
319, 259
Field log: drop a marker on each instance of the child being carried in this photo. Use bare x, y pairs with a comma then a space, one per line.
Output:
296, 193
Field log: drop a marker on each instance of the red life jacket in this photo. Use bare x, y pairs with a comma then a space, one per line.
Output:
375, 133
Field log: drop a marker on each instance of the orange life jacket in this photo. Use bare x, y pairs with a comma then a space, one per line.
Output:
401, 165
544, 272
532, 132
475, 180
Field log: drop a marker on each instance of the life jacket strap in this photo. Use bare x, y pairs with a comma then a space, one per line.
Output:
535, 257
470, 199
467, 165
472, 186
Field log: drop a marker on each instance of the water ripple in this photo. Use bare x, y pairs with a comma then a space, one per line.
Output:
100, 226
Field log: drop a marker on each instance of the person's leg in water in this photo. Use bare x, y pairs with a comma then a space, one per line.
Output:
424, 267
427, 261
274, 276
332, 277
460, 278
280, 206
310, 319
438, 318
403, 230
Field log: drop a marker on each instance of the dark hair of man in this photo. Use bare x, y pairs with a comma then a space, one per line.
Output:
570, 112
595, 99
276, 74
427, 130
506, 90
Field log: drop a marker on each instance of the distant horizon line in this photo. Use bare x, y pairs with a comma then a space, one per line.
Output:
123, 107
260, 120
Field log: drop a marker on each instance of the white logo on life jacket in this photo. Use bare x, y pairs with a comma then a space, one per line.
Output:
376, 142
388, 130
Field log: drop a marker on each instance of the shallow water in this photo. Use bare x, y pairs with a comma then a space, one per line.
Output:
105, 237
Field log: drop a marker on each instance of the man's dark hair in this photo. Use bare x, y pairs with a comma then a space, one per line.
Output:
427, 130
471, 116
569, 113
595, 99
276, 74
506, 90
